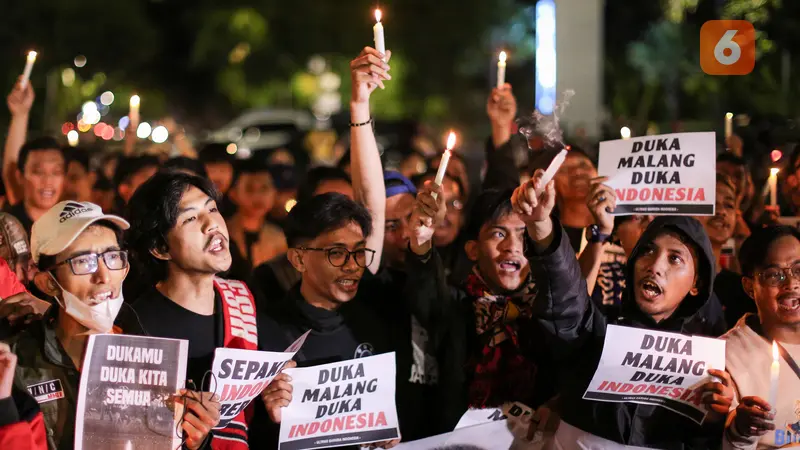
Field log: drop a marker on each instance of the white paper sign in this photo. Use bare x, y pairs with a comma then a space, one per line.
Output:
656, 368
479, 417
669, 174
127, 383
241, 375
344, 403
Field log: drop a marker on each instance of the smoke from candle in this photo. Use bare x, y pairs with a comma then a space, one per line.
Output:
546, 126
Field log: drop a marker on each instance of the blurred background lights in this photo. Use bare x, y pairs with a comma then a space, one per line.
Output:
68, 77
80, 61
107, 98
143, 132
119, 134
73, 138
88, 107
124, 122
625, 132
160, 134
83, 127
252, 134
231, 149
91, 117
67, 127
108, 132
99, 128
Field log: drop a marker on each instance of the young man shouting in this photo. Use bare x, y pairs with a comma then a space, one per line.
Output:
82, 266
180, 238
770, 260
670, 275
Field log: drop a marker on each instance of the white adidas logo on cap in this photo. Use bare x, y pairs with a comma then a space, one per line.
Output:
72, 209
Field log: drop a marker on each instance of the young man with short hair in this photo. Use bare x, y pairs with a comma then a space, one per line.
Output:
257, 241
770, 260
670, 275
80, 179
179, 237
82, 266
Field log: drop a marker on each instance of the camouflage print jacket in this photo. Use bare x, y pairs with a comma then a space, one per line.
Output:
46, 371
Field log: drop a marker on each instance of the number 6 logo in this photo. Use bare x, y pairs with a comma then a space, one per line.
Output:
727, 47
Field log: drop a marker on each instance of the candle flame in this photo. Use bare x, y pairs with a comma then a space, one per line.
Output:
503, 57
378, 15
729, 116
451, 140
32, 56
135, 101
774, 171
775, 353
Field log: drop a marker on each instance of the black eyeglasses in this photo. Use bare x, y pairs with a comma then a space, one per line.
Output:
88, 264
776, 276
338, 256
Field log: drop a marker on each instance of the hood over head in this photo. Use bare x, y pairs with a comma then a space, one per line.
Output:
691, 306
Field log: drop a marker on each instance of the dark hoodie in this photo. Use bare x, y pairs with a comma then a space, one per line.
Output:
577, 329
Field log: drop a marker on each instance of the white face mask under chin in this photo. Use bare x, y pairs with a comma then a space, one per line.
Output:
98, 318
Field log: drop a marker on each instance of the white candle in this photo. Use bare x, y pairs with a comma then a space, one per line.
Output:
773, 186
451, 143
551, 171
377, 32
501, 70
133, 114
774, 375
728, 125
26, 74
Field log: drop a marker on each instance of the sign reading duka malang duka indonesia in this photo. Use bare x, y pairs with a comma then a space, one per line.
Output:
344, 403
656, 368
669, 174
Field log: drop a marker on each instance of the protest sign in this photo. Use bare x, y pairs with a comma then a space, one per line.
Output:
241, 375
493, 435
669, 174
125, 390
485, 415
656, 368
345, 403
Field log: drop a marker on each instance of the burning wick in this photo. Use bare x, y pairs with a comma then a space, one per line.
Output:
451, 143
501, 70
775, 371
133, 114
26, 74
728, 125
377, 32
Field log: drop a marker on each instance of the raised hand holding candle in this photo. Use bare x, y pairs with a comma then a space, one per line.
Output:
26, 74
774, 375
133, 114
728, 125
377, 32
773, 186
501, 70
451, 143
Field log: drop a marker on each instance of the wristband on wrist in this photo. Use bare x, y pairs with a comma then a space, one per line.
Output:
361, 124
594, 236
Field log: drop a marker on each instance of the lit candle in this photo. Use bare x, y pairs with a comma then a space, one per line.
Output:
728, 125
133, 114
377, 31
625, 132
26, 74
73, 138
501, 70
773, 186
451, 143
774, 374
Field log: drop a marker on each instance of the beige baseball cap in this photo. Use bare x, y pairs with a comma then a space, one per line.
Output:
58, 228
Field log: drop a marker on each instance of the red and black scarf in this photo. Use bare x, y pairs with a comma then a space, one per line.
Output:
239, 316
500, 370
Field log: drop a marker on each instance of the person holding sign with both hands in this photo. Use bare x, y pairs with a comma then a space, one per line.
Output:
669, 279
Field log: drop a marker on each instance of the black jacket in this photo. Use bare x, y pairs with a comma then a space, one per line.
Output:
576, 329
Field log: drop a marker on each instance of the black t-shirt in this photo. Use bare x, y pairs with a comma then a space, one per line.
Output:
735, 301
575, 236
159, 316
21, 214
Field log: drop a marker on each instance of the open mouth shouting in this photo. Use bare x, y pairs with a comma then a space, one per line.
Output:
509, 266
789, 303
348, 284
47, 193
216, 243
650, 289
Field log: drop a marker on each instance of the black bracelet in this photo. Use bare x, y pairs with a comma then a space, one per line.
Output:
361, 124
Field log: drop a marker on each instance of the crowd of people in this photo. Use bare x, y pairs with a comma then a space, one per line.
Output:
492, 292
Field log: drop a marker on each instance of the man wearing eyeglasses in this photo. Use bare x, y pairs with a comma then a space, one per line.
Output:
81, 265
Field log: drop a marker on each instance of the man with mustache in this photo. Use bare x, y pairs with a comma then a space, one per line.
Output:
179, 237
669, 279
